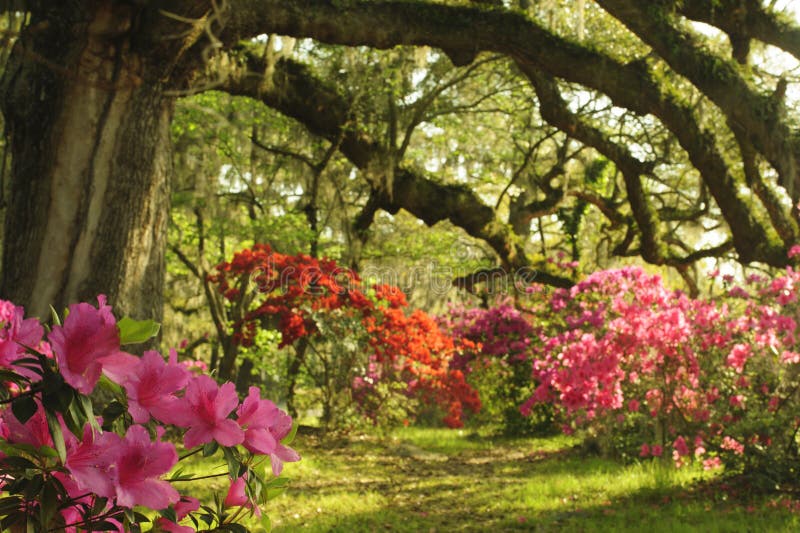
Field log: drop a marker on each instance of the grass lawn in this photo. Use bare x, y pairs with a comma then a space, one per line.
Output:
448, 480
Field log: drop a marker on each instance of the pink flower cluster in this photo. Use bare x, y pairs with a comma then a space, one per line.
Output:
127, 469
620, 346
500, 331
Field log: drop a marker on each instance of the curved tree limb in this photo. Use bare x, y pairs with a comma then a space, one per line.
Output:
464, 31
297, 93
756, 113
745, 19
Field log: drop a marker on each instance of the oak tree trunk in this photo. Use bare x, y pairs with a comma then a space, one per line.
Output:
91, 164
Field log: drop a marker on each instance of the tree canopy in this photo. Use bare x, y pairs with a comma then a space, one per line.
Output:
662, 130
695, 105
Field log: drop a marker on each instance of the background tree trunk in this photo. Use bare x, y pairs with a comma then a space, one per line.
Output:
91, 164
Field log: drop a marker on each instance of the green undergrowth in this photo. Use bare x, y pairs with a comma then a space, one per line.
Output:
454, 480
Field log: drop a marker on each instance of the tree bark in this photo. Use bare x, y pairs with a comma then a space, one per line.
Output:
91, 163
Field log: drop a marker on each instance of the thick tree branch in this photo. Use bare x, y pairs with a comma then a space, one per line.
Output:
463, 31
555, 111
298, 94
748, 19
760, 115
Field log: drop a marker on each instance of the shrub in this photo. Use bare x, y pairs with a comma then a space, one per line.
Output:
650, 371
362, 349
64, 468
495, 356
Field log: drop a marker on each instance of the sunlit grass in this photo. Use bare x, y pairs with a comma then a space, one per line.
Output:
457, 480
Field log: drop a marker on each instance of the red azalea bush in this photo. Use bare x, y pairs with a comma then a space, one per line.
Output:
65, 469
412, 349
649, 369
365, 341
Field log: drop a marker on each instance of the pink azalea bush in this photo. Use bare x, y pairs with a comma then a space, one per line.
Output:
66, 469
494, 353
650, 371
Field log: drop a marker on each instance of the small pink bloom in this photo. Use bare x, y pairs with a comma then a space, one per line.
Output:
141, 462
657, 450
680, 446
738, 356
205, 409
644, 450
712, 463
633, 405
34, 432
88, 336
699, 451
92, 461
186, 505
265, 425
737, 400
151, 386
789, 357
16, 335
237, 496
733, 445
773, 404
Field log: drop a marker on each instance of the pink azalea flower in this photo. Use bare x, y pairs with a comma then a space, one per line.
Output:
282, 454
139, 466
255, 416
680, 446
34, 432
171, 527
92, 460
265, 425
186, 505
738, 356
656, 450
633, 405
88, 337
205, 409
16, 335
151, 387
733, 445
237, 496
77, 505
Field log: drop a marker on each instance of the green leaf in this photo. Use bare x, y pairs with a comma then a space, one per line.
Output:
235, 528
24, 407
18, 463
102, 526
86, 404
136, 331
235, 466
169, 514
47, 451
57, 395
9, 504
99, 505
12, 519
48, 503
15, 449
57, 434
210, 448
54, 315
266, 523
113, 411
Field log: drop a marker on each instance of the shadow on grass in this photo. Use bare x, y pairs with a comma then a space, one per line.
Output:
425, 484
